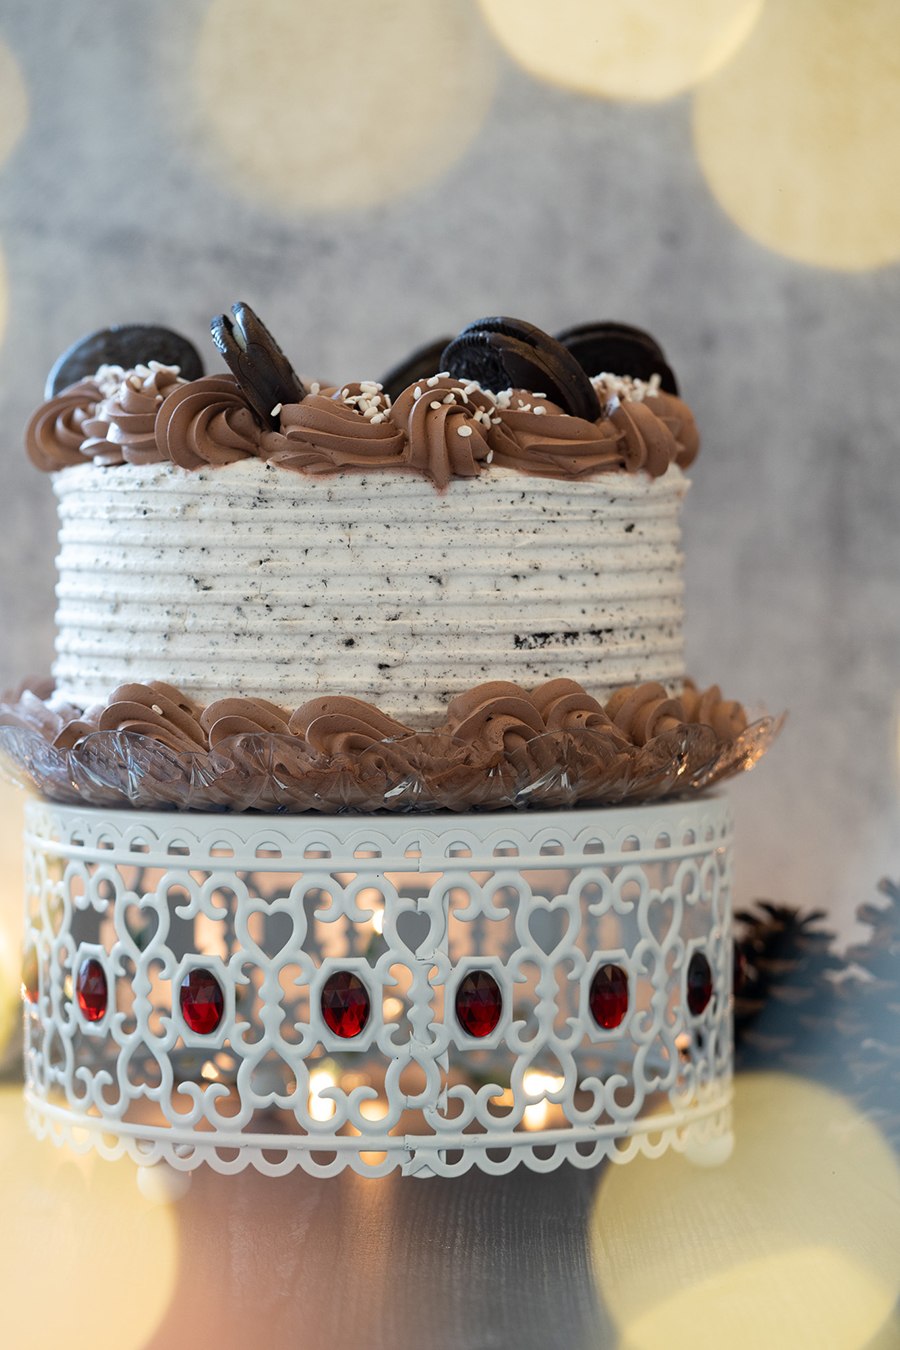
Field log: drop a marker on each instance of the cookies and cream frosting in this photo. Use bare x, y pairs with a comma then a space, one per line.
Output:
246, 580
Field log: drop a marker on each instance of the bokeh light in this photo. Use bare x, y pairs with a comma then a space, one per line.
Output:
793, 1242
13, 103
322, 106
798, 137
632, 50
84, 1260
12, 885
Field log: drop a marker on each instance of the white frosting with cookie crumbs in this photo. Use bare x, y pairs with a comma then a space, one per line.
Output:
244, 579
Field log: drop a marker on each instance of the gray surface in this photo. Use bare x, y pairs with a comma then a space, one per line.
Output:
485, 1263
564, 209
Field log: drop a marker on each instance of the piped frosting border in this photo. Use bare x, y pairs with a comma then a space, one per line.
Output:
439, 427
500, 747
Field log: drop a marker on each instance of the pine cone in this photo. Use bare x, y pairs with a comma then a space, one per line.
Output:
786, 1000
873, 1013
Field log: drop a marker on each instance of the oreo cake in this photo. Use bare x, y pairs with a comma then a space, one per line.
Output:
481, 550
456, 592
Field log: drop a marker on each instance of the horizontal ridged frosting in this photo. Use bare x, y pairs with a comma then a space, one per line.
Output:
248, 580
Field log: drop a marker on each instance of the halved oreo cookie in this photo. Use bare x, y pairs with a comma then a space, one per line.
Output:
619, 349
127, 345
502, 353
420, 365
262, 370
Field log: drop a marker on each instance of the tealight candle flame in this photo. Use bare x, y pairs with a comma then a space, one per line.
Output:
536, 1116
321, 1108
374, 1108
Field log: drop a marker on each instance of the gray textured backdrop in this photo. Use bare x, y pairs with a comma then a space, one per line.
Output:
563, 208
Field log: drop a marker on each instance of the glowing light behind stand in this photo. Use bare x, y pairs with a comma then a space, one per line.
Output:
72, 1229
793, 1242
636, 51
797, 136
323, 107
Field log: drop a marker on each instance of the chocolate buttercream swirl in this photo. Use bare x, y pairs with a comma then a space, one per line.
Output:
564, 706
446, 425
338, 724
123, 427
157, 710
645, 710
726, 716
238, 716
55, 434
537, 437
677, 416
646, 442
206, 422
323, 434
498, 715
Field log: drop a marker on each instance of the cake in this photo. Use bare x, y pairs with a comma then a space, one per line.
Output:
454, 589
411, 552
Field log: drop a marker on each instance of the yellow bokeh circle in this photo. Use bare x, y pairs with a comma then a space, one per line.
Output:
798, 137
632, 50
85, 1261
13, 102
332, 107
793, 1242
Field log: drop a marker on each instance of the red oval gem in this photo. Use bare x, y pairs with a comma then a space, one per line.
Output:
202, 1001
91, 990
478, 1003
345, 1004
608, 996
699, 983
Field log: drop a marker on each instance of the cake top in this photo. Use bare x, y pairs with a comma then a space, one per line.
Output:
597, 399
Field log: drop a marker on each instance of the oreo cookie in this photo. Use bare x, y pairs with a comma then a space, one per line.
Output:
262, 370
619, 349
127, 345
502, 353
420, 365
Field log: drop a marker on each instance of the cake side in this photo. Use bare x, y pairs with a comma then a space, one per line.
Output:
244, 579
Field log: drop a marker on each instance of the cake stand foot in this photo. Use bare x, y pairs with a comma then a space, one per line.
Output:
710, 1152
163, 1184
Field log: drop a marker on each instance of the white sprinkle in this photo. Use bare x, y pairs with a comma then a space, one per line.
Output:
276, 411
379, 417
314, 387
154, 707
433, 381
434, 403
451, 398
537, 411
489, 457
496, 421
464, 431
418, 391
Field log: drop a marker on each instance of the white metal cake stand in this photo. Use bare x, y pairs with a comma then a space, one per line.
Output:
425, 992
